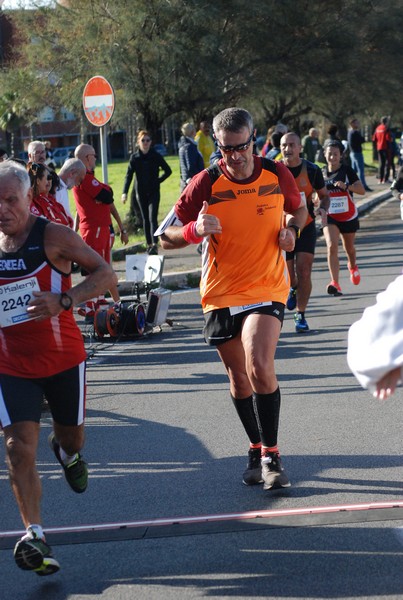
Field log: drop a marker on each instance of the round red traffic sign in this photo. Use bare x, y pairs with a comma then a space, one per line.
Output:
98, 100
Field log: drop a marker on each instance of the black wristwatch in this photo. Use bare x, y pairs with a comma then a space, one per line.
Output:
296, 229
65, 301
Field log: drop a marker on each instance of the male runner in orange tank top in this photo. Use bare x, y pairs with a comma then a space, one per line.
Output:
238, 210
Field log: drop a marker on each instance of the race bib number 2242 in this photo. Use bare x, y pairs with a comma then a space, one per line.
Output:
14, 300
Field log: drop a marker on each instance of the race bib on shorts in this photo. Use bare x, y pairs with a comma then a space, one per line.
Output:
14, 300
235, 310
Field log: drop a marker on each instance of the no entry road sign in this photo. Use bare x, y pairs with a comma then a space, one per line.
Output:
98, 101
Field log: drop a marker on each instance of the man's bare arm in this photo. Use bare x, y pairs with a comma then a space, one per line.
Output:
206, 224
173, 238
63, 247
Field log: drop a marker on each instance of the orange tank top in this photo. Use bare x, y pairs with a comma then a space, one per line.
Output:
244, 264
306, 191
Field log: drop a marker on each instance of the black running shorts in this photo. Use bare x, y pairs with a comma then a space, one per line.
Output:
345, 226
220, 326
306, 241
22, 399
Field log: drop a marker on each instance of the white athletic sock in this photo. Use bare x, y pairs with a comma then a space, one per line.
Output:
34, 530
66, 459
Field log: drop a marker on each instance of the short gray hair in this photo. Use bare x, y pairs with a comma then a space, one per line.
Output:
33, 145
11, 169
188, 129
233, 119
72, 164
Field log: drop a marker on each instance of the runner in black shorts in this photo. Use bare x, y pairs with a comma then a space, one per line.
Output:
42, 353
243, 285
342, 183
311, 184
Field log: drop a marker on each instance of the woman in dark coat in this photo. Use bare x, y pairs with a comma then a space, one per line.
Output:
146, 164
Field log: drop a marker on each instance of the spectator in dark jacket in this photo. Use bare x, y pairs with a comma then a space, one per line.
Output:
355, 142
146, 164
190, 159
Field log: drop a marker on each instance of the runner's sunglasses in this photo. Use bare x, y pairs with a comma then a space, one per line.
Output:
239, 148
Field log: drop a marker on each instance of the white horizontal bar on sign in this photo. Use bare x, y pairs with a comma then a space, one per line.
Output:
106, 100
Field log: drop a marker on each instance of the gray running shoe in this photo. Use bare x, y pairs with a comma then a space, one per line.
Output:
273, 473
34, 554
76, 473
253, 473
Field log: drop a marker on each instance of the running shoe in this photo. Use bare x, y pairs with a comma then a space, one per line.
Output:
273, 473
292, 299
355, 275
334, 289
300, 323
253, 473
34, 554
76, 473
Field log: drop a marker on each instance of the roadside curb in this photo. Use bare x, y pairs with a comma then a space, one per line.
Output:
371, 202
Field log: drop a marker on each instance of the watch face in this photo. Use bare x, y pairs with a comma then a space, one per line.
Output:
66, 301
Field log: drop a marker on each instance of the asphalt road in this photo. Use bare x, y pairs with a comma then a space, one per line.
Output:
163, 442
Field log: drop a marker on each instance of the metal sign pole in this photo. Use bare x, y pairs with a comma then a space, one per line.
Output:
104, 154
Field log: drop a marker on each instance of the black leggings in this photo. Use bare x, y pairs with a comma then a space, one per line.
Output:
149, 205
382, 158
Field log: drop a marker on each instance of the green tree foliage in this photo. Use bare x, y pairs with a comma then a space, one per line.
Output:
283, 60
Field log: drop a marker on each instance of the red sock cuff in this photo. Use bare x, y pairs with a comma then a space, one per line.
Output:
271, 449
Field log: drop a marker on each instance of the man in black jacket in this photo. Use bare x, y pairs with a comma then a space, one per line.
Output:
355, 141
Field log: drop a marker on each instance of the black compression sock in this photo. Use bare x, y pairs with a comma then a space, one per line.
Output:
267, 408
245, 409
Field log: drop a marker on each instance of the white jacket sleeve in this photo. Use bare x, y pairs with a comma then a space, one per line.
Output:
375, 342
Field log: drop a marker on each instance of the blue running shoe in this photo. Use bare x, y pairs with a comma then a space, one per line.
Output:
292, 299
301, 326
